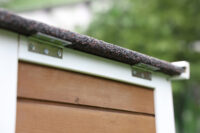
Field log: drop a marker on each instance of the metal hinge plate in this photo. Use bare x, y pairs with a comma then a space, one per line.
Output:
147, 67
41, 47
140, 73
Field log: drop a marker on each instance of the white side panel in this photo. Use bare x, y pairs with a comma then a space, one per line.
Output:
164, 106
8, 81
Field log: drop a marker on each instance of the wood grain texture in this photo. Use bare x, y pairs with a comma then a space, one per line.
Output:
40, 82
38, 117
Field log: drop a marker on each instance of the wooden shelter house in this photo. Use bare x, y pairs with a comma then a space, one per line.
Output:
58, 81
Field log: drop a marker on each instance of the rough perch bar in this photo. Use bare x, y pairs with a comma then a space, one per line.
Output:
84, 43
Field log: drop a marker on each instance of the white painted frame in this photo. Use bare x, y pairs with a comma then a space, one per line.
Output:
89, 64
8, 80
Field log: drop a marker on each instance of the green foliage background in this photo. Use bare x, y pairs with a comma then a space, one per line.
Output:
28, 5
166, 29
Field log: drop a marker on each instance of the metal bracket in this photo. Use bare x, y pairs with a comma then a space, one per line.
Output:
147, 67
47, 45
186, 73
45, 48
141, 73
51, 39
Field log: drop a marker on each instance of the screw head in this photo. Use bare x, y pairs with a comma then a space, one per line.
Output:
59, 53
134, 72
142, 75
46, 51
32, 47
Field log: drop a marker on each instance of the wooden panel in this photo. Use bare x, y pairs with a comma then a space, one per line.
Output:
40, 82
37, 117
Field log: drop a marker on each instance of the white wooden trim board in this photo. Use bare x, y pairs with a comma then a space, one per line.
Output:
8, 80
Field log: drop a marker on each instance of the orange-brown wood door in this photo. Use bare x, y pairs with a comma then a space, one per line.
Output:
52, 100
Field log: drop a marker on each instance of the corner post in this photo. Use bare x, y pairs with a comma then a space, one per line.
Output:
8, 80
164, 109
